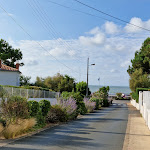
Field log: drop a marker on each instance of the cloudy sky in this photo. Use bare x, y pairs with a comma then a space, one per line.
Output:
59, 35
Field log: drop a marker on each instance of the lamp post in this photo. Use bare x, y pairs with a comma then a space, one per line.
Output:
88, 75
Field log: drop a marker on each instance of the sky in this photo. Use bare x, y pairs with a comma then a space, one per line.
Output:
59, 35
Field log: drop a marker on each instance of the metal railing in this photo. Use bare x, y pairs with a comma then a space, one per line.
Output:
29, 93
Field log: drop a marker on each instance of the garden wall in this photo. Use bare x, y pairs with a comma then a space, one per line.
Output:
143, 106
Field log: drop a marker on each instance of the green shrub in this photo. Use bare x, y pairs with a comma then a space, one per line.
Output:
97, 102
119, 95
135, 95
44, 106
33, 107
40, 119
81, 109
56, 114
105, 103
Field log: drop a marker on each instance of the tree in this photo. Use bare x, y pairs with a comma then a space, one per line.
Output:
141, 59
9, 55
140, 69
81, 87
24, 80
139, 80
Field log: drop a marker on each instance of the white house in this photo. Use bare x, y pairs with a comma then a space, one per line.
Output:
9, 75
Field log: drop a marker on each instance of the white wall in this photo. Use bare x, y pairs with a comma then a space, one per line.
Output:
9, 78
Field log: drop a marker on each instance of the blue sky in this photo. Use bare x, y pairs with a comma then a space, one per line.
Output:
72, 36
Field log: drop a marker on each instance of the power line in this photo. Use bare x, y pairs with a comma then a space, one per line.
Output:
36, 41
83, 12
47, 24
110, 15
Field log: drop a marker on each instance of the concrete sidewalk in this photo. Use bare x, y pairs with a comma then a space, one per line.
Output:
137, 134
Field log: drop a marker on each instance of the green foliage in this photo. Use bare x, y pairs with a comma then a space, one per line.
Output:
105, 103
81, 109
8, 54
44, 106
135, 95
98, 102
13, 108
40, 119
101, 97
24, 80
139, 80
140, 69
56, 114
33, 107
57, 83
81, 87
119, 95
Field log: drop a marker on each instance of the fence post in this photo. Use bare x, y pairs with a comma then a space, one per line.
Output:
39, 93
33, 93
12, 91
44, 93
27, 93
20, 91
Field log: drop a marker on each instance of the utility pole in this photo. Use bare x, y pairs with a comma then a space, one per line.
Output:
87, 76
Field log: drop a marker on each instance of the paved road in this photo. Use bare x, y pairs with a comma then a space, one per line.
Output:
102, 130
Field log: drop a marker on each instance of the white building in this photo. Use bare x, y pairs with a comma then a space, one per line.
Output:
9, 75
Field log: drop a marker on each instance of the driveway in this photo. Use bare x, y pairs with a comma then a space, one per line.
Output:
102, 130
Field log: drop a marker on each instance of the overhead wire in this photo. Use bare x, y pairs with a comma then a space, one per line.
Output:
48, 25
36, 41
102, 12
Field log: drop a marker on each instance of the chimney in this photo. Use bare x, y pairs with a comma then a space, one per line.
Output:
0, 63
17, 66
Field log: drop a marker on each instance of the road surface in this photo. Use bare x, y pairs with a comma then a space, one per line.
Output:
103, 130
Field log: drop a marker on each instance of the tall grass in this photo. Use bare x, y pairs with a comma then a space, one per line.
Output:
21, 126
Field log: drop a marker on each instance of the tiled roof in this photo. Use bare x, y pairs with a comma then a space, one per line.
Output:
7, 68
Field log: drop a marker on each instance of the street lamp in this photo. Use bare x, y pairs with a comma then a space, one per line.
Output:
88, 75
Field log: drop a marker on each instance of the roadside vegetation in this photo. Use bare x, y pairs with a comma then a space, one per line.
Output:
19, 116
139, 72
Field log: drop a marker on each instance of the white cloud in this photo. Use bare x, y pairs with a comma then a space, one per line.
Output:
138, 22
111, 28
96, 38
111, 54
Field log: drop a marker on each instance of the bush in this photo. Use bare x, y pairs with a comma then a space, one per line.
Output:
40, 119
105, 103
90, 106
69, 106
81, 87
56, 114
44, 107
13, 108
81, 109
119, 95
33, 107
97, 101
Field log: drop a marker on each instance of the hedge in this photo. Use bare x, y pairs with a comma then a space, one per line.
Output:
135, 95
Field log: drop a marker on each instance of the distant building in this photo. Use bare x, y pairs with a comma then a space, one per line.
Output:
9, 75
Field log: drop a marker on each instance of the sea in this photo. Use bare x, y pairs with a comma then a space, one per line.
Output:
113, 89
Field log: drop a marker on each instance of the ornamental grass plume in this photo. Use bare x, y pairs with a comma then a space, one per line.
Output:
68, 105
21, 126
90, 106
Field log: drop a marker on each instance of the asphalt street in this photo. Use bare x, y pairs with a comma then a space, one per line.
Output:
102, 130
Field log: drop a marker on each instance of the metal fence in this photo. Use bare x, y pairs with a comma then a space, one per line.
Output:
29, 93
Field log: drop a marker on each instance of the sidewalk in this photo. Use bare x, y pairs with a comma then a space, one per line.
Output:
137, 134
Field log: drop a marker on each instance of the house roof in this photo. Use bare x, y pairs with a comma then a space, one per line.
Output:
7, 68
